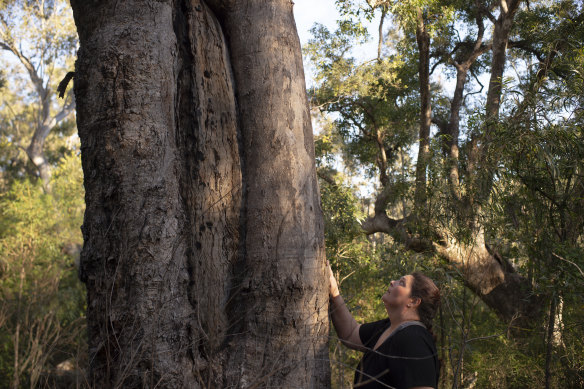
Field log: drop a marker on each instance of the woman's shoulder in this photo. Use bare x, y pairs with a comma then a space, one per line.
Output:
415, 327
414, 338
414, 331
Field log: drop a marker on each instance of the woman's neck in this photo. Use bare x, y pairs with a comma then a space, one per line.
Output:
397, 318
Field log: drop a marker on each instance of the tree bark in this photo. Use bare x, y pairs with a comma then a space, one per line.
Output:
203, 235
281, 298
380, 31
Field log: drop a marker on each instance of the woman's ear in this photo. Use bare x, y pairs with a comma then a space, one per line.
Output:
416, 301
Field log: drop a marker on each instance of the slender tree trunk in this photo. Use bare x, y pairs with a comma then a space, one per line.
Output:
203, 235
550, 342
423, 39
380, 32
481, 160
558, 337
35, 149
444, 360
453, 126
454, 131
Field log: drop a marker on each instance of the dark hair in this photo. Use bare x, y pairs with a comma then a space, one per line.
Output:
429, 294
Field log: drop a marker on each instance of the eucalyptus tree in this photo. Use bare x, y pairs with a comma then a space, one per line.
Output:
203, 236
456, 183
39, 41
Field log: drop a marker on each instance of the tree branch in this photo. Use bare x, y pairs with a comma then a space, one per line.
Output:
34, 77
326, 177
524, 45
64, 83
380, 42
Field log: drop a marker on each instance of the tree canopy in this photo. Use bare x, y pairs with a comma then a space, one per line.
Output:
486, 99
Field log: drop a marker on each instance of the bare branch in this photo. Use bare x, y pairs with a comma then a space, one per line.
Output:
474, 75
567, 260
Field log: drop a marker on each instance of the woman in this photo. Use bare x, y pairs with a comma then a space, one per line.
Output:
399, 351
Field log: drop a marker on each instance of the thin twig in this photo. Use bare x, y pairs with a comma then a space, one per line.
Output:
567, 260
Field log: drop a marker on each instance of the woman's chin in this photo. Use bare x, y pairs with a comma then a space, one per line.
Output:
385, 298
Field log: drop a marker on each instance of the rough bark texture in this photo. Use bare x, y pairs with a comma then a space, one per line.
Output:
203, 236
281, 298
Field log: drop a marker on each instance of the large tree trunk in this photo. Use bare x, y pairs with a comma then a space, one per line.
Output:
282, 298
204, 249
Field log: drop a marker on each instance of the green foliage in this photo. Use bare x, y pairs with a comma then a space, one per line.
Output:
374, 102
42, 301
530, 212
342, 214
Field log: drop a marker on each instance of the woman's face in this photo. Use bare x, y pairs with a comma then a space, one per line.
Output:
398, 293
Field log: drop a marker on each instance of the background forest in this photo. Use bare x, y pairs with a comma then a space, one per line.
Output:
454, 148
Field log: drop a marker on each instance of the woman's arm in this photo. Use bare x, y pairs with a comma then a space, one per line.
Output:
346, 326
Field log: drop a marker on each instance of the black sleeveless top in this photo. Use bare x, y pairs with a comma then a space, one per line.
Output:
406, 359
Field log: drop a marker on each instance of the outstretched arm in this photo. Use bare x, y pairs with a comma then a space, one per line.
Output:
346, 326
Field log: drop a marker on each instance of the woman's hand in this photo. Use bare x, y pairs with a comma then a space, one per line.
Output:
334, 287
